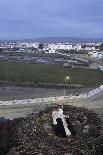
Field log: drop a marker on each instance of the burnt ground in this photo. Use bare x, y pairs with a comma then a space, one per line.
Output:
34, 133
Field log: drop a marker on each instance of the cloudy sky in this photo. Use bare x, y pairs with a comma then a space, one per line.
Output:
27, 19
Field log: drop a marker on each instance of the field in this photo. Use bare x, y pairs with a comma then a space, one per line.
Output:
40, 73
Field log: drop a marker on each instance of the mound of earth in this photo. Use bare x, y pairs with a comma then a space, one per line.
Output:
34, 134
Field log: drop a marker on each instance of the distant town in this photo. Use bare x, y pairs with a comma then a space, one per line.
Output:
49, 47
72, 55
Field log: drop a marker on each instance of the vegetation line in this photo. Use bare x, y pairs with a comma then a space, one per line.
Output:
41, 73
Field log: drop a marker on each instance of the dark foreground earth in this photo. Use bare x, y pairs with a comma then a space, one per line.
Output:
34, 134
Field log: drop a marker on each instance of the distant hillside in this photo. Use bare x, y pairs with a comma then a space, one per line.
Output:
58, 39
68, 39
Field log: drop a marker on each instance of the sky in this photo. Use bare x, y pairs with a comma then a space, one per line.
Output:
29, 19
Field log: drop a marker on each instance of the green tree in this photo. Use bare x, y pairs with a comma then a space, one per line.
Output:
101, 46
41, 46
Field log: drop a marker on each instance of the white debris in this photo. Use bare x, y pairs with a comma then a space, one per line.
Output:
86, 129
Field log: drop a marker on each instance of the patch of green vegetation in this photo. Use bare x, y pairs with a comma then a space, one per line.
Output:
41, 73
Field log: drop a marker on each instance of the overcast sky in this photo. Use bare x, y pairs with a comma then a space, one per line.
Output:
27, 19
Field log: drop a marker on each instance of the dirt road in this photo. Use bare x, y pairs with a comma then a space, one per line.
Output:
94, 103
10, 92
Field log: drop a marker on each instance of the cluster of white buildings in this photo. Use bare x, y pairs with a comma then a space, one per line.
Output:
20, 45
53, 47
96, 54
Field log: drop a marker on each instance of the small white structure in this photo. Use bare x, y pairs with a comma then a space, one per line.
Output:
89, 48
95, 54
100, 68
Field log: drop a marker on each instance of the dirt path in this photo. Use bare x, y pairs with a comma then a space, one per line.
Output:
94, 103
10, 92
